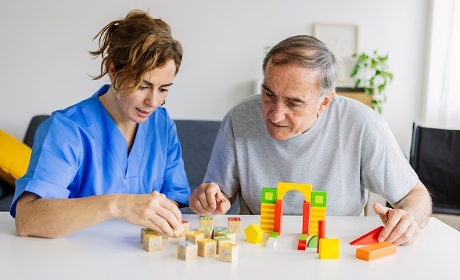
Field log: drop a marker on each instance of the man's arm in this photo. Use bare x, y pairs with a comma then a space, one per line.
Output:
50, 218
410, 214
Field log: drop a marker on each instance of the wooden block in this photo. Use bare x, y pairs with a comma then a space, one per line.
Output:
234, 224
221, 240
376, 251
329, 248
207, 231
194, 236
228, 252
143, 231
152, 242
369, 238
254, 233
207, 248
186, 228
207, 222
187, 250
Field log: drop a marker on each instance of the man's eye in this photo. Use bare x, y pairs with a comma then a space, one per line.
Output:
143, 87
164, 89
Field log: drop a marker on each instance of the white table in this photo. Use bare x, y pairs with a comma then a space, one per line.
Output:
112, 250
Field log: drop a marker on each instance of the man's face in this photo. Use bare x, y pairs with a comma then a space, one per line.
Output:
290, 100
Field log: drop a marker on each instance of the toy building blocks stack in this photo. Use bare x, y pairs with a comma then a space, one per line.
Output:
271, 209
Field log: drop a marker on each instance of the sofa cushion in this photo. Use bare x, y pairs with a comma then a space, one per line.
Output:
14, 157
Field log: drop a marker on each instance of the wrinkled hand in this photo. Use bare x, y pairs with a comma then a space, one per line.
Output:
208, 200
154, 211
400, 226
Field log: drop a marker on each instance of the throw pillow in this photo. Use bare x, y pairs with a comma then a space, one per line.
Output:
14, 157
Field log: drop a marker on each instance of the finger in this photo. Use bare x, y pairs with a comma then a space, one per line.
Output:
195, 203
212, 195
381, 211
223, 204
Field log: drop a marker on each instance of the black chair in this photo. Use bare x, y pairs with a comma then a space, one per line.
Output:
435, 157
6, 190
197, 139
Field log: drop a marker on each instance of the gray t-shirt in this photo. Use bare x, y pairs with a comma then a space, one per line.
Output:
348, 151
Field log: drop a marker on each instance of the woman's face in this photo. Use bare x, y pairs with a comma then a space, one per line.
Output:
140, 104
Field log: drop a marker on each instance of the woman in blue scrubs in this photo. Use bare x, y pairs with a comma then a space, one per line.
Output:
117, 153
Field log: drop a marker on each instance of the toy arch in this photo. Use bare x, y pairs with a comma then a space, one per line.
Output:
282, 189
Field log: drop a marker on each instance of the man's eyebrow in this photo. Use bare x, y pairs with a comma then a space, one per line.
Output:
267, 89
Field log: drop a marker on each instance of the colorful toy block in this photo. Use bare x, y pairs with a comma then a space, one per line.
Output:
321, 232
194, 236
319, 199
222, 240
302, 245
207, 231
313, 242
186, 228
254, 233
376, 251
267, 217
269, 195
234, 224
152, 242
329, 248
369, 238
187, 250
207, 248
144, 231
226, 233
206, 222
228, 252
179, 232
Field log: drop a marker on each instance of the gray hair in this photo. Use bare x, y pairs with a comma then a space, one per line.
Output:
309, 52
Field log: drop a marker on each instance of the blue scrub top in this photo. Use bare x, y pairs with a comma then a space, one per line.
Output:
80, 152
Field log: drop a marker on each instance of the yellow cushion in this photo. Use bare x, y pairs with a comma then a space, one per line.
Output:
14, 157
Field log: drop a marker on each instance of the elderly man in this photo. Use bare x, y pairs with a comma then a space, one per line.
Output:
299, 131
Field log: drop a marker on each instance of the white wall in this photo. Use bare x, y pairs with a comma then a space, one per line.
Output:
45, 62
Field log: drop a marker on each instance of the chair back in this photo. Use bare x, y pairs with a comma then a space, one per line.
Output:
435, 157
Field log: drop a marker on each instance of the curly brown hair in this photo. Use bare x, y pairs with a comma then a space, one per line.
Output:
135, 45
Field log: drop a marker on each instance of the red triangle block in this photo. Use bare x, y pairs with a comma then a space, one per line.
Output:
369, 238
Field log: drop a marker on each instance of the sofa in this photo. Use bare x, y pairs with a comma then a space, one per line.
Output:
197, 139
21, 154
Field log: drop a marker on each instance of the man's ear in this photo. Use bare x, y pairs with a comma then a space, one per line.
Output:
326, 101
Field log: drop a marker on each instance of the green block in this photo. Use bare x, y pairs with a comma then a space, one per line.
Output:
319, 198
303, 236
274, 234
268, 195
313, 242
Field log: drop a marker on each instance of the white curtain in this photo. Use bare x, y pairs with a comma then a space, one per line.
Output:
442, 103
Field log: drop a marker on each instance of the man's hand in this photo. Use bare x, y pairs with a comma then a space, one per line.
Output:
400, 226
208, 200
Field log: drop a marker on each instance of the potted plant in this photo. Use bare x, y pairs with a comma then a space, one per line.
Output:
372, 74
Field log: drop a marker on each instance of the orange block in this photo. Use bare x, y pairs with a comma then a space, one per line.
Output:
376, 251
